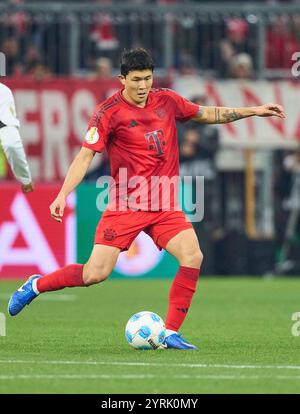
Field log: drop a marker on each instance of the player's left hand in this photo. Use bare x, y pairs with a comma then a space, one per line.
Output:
27, 188
270, 109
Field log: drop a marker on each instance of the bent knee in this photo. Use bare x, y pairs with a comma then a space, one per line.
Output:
194, 259
91, 276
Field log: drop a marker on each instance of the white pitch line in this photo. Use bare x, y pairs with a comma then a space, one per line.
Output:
144, 376
149, 364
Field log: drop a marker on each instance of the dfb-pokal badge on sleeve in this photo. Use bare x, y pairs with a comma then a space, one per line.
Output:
92, 135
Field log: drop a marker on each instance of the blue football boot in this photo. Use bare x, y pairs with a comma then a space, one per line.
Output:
21, 297
176, 342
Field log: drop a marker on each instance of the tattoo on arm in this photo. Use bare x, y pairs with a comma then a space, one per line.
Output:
221, 115
231, 115
200, 113
217, 115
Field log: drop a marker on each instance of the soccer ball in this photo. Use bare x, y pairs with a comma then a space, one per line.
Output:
145, 330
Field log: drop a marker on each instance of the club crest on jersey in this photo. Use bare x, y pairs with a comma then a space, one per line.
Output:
161, 113
92, 135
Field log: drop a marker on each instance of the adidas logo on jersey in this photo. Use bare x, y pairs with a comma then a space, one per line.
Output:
132, 124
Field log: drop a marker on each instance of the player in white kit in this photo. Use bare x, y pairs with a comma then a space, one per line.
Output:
10, 139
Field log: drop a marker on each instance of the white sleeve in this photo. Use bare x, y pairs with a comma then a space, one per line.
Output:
13, 148
8, 115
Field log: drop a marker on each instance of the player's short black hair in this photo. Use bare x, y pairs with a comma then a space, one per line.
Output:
135, 59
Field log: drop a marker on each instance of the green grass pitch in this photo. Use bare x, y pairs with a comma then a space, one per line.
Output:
73, 341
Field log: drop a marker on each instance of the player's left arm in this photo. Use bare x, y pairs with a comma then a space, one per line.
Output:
223, 115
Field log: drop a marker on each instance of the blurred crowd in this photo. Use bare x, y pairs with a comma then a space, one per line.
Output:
35, 45
271, 2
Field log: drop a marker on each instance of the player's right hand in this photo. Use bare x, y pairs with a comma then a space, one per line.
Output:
57, 208
27, 188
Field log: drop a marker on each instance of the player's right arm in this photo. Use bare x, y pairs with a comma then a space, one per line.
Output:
95, 141
75, 174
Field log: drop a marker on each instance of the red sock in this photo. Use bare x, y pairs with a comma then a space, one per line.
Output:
180, 297
68, 276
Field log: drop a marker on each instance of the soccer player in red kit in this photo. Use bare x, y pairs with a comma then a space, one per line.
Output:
137, 127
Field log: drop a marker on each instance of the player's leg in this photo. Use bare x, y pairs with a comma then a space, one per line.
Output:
173, 232
99, 266
185, 247
115, 232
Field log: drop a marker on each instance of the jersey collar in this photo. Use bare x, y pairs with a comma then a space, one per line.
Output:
131, 104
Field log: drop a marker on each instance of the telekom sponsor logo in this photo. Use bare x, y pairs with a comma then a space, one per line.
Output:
29, 241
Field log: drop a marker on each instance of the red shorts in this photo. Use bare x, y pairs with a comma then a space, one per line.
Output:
120, 228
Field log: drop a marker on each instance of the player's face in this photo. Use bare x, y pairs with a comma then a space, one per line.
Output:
137, 86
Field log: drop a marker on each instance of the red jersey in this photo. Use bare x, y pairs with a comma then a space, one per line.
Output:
142, 146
